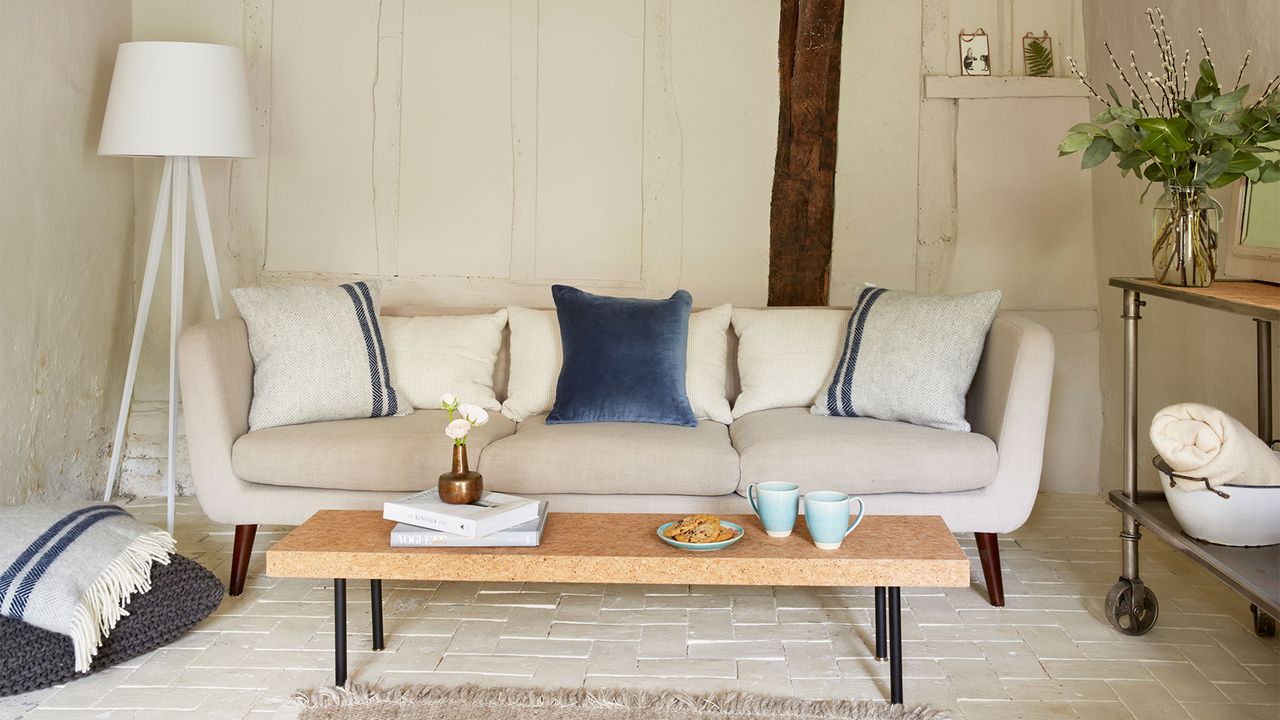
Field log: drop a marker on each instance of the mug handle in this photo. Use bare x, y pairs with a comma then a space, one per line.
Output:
861, 508
751, 498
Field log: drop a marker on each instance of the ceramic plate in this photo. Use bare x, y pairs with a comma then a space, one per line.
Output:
702, 547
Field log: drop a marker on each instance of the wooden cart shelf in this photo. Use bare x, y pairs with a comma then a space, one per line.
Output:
1253, 572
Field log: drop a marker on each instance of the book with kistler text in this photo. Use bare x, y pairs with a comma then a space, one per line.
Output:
526, 535
492, 513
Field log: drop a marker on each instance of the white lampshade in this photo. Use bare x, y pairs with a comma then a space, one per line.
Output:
177, 99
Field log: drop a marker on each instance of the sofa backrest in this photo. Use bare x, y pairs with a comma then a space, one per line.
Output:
502, 369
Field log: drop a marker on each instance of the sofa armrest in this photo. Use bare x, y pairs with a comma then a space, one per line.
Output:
1009, 403
216, 372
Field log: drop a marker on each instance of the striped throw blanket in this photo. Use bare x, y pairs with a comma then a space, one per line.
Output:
72, 567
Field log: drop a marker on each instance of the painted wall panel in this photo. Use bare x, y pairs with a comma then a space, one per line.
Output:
456, 179
590, 113
321, 184
727, 105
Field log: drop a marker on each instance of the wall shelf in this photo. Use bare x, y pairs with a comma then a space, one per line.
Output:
950, 86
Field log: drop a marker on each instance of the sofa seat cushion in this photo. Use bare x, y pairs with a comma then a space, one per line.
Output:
404, 453
612, 458
859, 455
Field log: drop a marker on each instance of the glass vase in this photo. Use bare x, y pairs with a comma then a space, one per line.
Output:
1185, 248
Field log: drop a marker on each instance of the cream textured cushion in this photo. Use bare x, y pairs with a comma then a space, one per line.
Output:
859, 455
536, 358
785, 355
535, 363
707, 363
437, 354
318, 354
401, 454
608, 457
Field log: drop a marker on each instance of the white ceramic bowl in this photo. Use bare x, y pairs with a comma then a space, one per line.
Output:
1250, 517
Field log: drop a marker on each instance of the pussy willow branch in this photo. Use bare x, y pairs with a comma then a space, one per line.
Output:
1245, 64
1080, 76
1125, 77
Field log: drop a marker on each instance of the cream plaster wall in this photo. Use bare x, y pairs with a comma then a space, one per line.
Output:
1187, 354
65, 243
472, 152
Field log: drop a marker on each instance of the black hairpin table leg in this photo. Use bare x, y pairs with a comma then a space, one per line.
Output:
375, 600
880, 621
339, 631
895, 646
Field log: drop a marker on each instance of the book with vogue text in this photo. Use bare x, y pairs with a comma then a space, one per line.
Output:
526, 535
492, 513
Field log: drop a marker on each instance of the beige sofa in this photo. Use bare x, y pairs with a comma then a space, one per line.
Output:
984, 481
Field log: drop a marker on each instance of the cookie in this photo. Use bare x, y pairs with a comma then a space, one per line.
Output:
695, 529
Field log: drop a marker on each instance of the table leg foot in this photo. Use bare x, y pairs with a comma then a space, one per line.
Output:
339, 631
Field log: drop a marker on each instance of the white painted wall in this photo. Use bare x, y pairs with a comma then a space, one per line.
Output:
1186, 353
472, 152
65, 243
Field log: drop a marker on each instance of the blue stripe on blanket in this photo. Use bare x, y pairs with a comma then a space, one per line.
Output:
35, 547
23, 592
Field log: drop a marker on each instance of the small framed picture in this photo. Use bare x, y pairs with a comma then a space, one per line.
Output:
975, 53
1037, 54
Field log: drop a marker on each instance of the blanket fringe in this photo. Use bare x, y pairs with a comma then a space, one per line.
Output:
726, 702
104, 604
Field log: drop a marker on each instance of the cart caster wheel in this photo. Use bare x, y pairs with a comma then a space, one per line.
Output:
1263, 624
1124, 616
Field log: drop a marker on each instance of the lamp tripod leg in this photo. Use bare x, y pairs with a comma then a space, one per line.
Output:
154, 248
201, 206
178, 253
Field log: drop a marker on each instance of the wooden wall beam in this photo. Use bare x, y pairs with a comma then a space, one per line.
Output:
803, 203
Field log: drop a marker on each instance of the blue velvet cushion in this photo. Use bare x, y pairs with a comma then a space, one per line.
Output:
624, 359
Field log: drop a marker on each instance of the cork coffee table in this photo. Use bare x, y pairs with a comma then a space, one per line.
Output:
886, 552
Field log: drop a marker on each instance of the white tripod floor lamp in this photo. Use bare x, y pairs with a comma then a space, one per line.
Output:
179, 101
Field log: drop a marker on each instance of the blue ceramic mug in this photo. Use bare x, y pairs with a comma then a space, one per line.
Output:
826, 515
777, 504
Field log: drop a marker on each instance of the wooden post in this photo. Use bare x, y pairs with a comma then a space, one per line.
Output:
803, 205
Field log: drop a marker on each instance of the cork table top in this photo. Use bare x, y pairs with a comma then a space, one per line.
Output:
885, 550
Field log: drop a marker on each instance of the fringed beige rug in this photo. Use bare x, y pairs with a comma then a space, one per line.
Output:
471, 702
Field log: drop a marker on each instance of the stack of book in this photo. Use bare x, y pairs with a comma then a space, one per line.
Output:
495, 520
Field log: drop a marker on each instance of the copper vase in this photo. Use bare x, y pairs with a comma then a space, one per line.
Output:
461, 486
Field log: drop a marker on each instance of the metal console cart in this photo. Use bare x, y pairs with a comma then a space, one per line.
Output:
1131, 606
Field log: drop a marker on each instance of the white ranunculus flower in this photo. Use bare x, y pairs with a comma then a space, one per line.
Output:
448, 401
474, 414
457, 429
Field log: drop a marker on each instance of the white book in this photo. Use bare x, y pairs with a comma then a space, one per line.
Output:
491, 513
526, 535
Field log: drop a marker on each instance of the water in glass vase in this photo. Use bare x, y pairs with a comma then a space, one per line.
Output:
1185, 222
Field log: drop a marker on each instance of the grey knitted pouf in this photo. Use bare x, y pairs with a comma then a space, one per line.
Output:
182, 594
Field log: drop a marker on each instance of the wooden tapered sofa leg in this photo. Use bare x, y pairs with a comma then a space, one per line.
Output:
240, 555
989, 554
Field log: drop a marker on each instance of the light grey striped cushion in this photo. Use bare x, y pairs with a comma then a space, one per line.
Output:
317, 354
909, 357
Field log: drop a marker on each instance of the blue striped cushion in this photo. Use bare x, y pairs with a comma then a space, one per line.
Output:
909, 357
318, 354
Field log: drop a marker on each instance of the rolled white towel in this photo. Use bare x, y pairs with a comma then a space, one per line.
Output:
1205, 442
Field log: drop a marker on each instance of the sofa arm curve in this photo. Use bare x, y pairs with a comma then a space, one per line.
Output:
216, 373
1009, 403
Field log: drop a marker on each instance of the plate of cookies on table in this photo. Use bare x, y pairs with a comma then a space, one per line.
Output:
700, 533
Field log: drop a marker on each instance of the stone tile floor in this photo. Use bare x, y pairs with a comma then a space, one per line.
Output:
1048, 654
